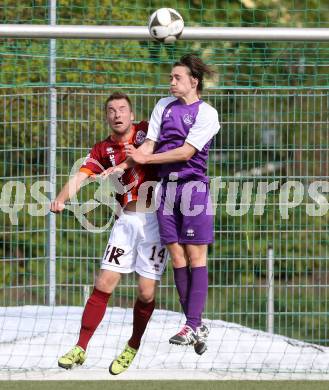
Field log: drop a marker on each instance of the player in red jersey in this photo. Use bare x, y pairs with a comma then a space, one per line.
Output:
134, 243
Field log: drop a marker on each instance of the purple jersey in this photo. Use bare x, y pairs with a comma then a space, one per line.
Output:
172, 124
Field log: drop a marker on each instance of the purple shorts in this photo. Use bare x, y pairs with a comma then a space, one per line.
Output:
185, 213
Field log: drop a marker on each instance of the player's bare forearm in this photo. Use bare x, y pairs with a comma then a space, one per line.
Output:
69, 190
123, 166
183, 153
72, 186
147, 147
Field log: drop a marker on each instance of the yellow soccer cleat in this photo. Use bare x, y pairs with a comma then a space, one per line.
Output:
123, 361
76, 356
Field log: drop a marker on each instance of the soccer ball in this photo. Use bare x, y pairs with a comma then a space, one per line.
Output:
166, 25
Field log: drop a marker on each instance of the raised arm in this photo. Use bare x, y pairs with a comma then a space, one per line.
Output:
69, 190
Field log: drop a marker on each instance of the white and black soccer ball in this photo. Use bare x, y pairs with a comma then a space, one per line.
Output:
166, 25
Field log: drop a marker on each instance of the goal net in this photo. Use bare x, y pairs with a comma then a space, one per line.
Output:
268, 268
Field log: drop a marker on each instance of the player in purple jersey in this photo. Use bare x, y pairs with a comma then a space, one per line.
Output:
180, 132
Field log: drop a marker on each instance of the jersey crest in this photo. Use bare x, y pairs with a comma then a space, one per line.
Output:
140, 137
188, 119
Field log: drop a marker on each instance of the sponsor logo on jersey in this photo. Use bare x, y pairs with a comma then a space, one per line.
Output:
110, 152
187, 119
190, 233
140, 137
113, 253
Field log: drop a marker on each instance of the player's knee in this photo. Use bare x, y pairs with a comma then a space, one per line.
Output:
106, 282
178, 258
102, 286
146, 295
178, 261
198, 262
146, 298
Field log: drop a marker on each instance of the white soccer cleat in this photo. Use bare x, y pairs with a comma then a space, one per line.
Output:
186, 336
202, 333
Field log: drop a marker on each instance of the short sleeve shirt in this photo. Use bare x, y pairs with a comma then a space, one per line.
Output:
173, 123
109, 153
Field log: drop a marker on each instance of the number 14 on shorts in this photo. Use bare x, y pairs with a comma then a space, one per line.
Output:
158, 254
158, 257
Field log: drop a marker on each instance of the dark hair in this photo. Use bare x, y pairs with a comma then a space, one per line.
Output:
117, 96
196, 67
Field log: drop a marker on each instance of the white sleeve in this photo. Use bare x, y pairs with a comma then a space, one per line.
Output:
204, 128
153, 132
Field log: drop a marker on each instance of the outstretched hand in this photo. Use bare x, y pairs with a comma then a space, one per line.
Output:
57, 206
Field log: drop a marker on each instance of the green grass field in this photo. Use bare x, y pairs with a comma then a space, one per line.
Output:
164, 385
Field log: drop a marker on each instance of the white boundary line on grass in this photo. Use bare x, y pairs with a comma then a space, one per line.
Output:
90, 374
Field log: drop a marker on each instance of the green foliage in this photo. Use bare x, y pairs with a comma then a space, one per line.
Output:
124, 63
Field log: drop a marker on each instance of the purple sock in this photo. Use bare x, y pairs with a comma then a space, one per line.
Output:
197, 296
182, 278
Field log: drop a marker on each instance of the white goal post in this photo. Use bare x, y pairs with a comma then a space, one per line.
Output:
141, 33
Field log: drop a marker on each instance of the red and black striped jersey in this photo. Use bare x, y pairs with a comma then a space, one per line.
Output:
109, 153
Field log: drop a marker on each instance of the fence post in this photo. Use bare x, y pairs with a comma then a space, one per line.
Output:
51, 293
270, 289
